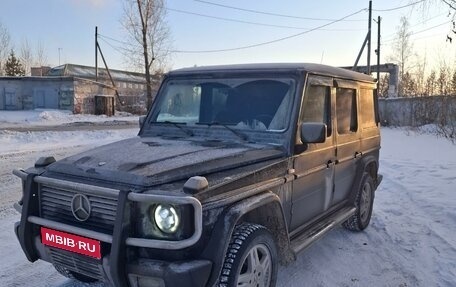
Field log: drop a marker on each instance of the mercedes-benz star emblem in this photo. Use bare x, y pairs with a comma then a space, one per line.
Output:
80, 206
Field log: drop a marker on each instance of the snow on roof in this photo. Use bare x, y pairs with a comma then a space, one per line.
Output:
89, 72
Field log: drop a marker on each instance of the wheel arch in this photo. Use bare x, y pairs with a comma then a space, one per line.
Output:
368, 164
264, 209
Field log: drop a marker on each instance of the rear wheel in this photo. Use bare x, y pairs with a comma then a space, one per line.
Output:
251, 258
74, 275
364, 202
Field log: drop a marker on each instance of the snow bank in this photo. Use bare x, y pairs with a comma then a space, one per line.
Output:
56, 117
19, 142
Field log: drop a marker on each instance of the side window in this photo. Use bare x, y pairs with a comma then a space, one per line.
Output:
347, 120
316, 106
367, 108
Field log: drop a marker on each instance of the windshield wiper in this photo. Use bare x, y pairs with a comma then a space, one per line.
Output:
235, 132
177, 125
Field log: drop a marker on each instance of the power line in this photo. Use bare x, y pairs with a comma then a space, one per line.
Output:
112, 39
417, 24
395, 8
249, 22
421, 31
271, 41
125, 52
270, 13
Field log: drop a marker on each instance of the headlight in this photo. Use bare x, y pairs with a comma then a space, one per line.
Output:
166, 218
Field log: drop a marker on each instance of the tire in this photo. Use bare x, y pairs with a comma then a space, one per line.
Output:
364, 202
251, 258
74, 275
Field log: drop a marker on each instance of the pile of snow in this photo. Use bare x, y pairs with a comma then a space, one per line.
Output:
44, 117
20, 142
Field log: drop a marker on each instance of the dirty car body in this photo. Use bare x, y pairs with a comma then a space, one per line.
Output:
266, 145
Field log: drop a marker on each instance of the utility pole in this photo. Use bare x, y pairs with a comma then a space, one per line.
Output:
367, 41
369, 33
378, 51
98, 49
96, 53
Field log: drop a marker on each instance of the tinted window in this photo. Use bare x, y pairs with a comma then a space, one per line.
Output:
257, 104
346, 111
367, 108
316, 106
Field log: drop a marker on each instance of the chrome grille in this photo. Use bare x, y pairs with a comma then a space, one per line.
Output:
55, 204
82, 265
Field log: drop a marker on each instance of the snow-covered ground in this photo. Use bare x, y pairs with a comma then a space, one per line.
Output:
49, 117
411, 240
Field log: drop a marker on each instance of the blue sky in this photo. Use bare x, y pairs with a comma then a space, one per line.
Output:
69, 25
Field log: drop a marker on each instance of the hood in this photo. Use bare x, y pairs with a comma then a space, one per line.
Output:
150, 161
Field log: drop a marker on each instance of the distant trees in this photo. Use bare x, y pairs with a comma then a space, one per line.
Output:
5, 40
29, 55
13, 66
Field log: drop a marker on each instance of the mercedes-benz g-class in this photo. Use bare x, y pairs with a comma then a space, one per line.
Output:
234, 170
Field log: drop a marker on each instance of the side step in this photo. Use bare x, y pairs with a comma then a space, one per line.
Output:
316, 231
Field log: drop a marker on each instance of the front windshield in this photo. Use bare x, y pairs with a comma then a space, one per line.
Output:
240, 103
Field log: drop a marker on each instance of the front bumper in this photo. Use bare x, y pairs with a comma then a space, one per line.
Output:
142, 272
114, 266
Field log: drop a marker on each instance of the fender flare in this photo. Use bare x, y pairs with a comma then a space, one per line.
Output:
363, 167
224, 227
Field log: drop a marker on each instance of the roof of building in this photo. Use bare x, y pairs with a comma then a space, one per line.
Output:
278, 67
89, 72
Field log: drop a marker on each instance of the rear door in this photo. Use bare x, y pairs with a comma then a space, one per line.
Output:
314, 163
347, 135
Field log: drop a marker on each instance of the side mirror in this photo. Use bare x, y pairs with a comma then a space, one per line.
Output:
142, 119
313, 132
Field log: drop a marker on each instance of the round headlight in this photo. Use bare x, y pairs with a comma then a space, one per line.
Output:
166, 218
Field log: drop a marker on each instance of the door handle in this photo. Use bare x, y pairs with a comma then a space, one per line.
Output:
330, 164
358, 154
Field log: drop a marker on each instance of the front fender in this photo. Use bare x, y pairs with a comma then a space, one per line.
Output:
221, 233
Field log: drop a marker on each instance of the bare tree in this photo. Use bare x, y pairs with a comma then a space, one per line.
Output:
149, 37
420, 75
26, 56
431, 83
5, 47
403, 53
41, 57
451, 5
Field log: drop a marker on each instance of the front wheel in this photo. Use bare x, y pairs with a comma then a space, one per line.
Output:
364, 203
251, 258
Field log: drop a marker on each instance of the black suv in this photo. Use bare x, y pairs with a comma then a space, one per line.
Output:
235, 169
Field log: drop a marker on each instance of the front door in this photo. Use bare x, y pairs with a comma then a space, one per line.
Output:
314, 163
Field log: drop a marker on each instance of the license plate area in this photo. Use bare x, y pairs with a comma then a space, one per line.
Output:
71, 242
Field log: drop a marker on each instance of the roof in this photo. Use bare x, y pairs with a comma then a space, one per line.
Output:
317, 69
35, 78
89, 72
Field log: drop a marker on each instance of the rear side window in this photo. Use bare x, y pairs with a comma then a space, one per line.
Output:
347, 120
316, 107
367, 108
